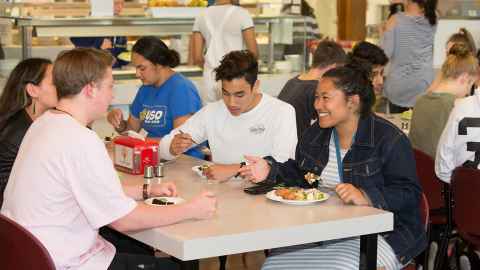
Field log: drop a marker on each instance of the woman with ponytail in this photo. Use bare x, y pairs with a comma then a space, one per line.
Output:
28, 93
374, 167
165, 100
408, 42
431, 111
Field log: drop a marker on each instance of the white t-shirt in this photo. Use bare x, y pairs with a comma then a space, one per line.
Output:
63, 188
269, 129
452, 147
232, 37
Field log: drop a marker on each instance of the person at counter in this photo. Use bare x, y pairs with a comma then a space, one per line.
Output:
166, 99
220, 29
408, 43
366, 159
300, 90
431, 111
28, 93
115, 45
246, 121
63, 186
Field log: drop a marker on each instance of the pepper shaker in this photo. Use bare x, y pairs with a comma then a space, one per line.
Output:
148, 174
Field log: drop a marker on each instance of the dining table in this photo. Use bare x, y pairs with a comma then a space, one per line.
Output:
245, 223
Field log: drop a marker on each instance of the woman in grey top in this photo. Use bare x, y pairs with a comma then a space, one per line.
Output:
408, 43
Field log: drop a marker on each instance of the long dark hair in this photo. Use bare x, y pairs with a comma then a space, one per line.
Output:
430, 9
14, 96
354, 79
155, 51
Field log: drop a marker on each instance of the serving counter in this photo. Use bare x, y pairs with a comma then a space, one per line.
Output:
131, 26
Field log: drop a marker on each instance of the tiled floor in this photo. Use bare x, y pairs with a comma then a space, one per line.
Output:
253, 261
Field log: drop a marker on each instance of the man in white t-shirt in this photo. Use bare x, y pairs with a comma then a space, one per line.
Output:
459, 144
63, 186
220, 29
245, 122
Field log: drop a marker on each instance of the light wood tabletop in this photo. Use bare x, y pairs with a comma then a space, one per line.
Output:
246, 222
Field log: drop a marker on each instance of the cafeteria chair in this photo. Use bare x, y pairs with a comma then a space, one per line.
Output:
465, 190
425, 216
440, 202
20, 250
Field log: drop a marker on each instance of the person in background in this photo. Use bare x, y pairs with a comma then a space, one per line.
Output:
115, 45
408, 43
365, 158
300, 90
246, 121
220, 29
377, 58
463, 36
28, 93
396, 6
63, 186
165, 100
431, 111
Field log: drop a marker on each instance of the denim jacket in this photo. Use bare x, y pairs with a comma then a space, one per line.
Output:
381, 163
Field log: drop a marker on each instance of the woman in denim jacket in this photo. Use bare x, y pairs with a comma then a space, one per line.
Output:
378, 170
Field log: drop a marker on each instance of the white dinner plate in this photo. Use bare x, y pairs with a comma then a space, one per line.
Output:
174, 200
272, 196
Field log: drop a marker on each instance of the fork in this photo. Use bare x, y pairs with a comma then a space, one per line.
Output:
181, 132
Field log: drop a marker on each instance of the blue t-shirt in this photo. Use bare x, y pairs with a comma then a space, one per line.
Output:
157, 107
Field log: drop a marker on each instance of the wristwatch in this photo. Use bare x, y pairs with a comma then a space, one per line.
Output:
145, 192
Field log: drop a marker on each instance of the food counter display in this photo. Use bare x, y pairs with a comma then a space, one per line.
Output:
29, 27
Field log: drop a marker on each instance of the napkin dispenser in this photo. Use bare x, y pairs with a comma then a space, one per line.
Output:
132, 155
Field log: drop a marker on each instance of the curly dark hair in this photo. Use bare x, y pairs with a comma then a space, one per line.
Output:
238, 64
354, 79
370, 53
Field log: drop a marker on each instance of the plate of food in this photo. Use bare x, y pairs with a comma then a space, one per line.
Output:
160, 201
200, 169
297, 196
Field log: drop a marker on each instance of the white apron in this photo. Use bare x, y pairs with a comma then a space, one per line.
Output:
215, 52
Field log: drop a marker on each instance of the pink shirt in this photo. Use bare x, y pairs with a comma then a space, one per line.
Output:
63, 188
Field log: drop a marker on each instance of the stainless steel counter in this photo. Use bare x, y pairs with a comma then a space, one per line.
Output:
128, 26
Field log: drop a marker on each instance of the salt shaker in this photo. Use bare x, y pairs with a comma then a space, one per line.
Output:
159, 171
148, 174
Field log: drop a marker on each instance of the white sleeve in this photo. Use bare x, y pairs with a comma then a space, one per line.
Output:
196, 126
285, 135
447, 145
96, 187
196, 24
245, 20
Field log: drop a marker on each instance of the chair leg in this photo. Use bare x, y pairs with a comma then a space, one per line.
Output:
223, 262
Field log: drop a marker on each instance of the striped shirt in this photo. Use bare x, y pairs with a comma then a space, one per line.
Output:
330, 172
409, 46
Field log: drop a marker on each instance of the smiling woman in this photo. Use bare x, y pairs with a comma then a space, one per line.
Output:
368, 159
28, 93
